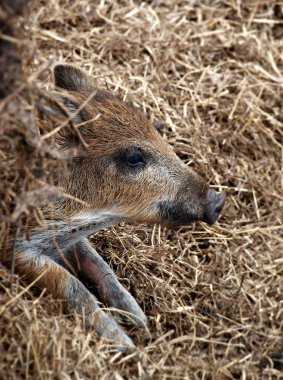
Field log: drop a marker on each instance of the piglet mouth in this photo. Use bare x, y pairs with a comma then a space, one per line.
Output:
214, 206
175, 214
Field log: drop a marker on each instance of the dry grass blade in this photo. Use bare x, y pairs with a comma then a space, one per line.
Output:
212, 72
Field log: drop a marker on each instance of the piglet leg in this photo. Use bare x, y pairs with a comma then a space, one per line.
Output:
62, 284
98, 273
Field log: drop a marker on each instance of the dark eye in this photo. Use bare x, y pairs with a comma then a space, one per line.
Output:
135, 159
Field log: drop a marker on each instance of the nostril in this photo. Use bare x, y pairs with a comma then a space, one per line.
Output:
220, 202
218, 209
215, 204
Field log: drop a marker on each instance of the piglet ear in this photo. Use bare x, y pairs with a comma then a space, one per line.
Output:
68, 113
71, 78
63, 106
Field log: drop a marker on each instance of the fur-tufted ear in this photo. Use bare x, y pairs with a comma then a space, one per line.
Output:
71, 78
64, 105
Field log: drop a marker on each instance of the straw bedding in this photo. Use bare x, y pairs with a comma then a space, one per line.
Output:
210, 73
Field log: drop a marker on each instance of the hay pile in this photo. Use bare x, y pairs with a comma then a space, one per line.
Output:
212, 72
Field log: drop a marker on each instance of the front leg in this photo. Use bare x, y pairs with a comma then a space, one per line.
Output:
35, 266
98, 273
66, 243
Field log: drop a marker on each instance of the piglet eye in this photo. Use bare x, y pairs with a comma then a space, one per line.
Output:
135, 159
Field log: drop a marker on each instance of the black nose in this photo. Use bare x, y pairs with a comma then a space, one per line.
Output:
215, 204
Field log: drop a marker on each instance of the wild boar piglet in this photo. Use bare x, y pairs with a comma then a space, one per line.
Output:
122, 170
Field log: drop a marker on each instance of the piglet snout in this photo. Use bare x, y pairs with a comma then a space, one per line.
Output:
215, 204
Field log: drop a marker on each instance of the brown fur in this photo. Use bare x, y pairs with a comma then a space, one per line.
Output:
122, 170
119, 125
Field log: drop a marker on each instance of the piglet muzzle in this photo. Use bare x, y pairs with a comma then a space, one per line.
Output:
214, 206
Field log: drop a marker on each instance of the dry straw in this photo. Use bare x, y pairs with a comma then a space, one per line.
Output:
212, 72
